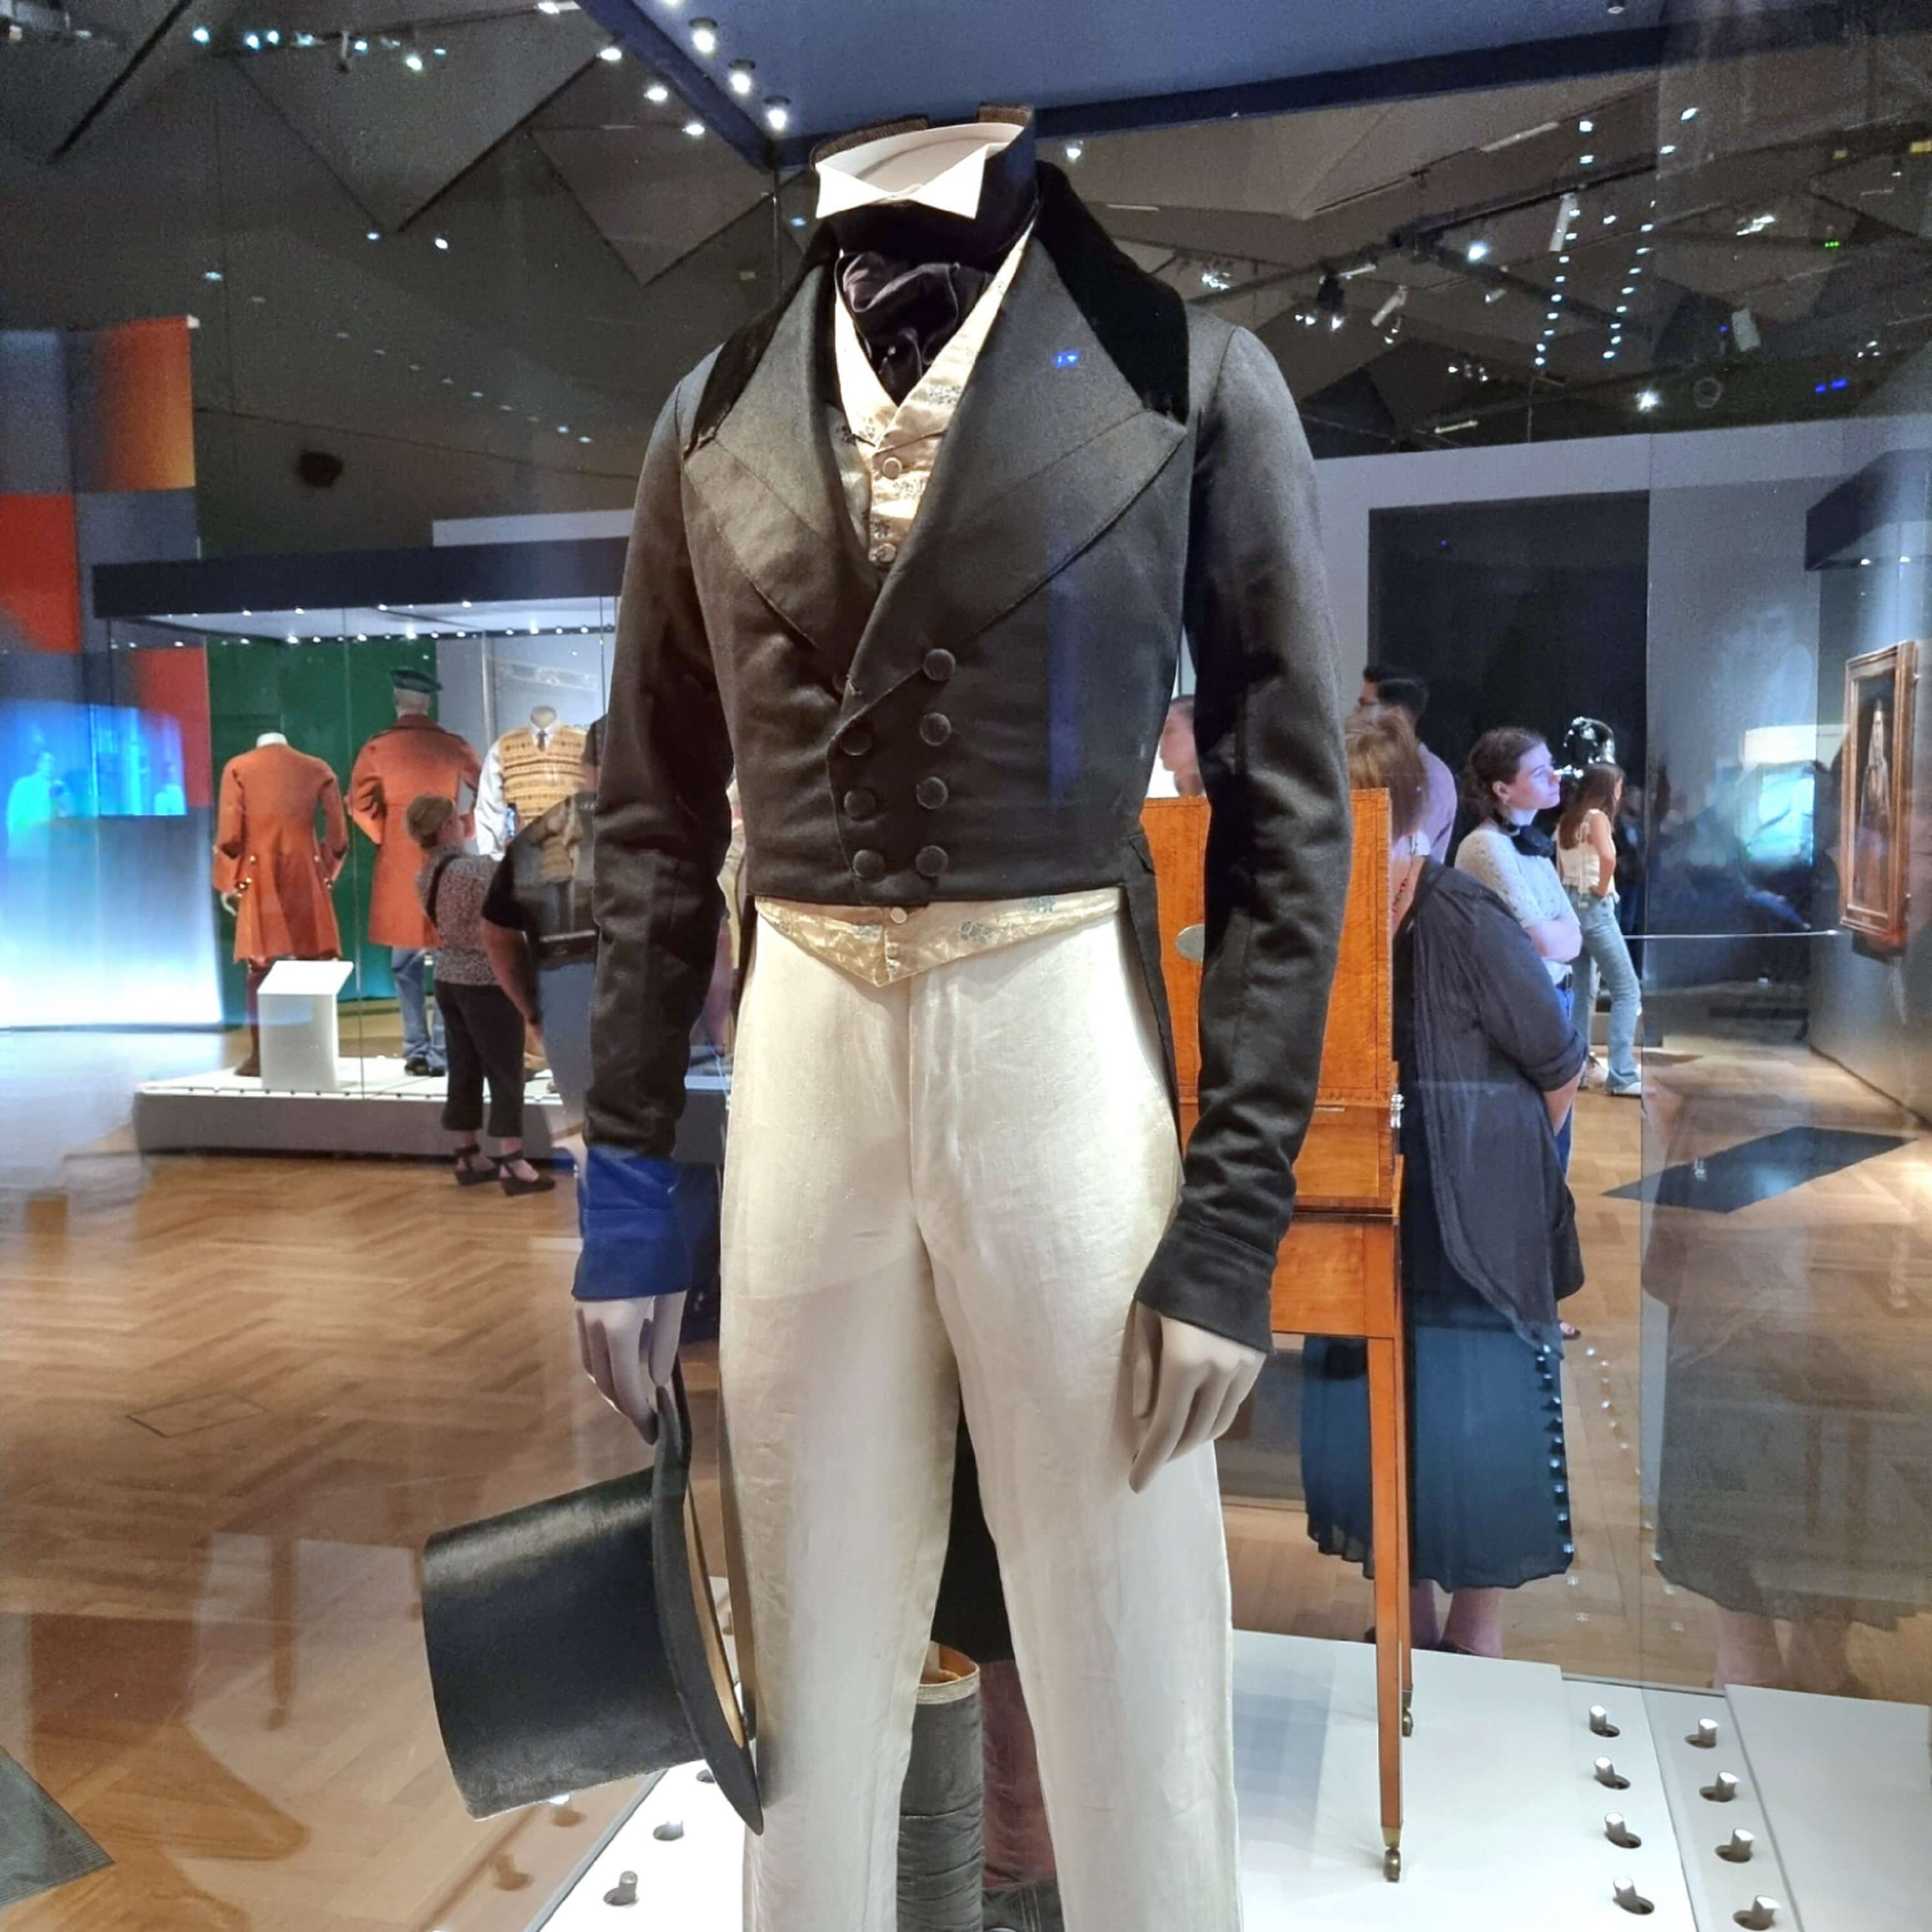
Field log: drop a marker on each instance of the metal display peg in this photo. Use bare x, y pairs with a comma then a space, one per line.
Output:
1618, 1832
1738, 1848
670, 1829
1600, 1723
1760, 1913
1607, 1773
1721, 1790
624, 1892
1705, 1735
1626, 1894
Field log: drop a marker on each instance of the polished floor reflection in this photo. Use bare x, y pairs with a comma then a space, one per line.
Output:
235, 1395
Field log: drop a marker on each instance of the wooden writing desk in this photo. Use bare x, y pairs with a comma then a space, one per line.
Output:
1338, 1272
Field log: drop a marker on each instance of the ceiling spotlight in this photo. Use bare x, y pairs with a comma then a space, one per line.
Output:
1074, 149
1390, 303
1567, 209
201, 36
612, 54
741, 76
273, 38
1477, 251
305, 40
777, 113
1668, 147
1494, 294
252, 41
1586, 126
412, 61
210, 274
549, 6
796, 220
1609, 355
657, 93
360, 46
695, 128
374, 234
1689, 114
1587, 159
704, 36
443, 242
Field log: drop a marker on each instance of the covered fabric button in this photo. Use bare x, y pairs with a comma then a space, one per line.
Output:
898, 915
939, 666
935, 728
890, 466
861, 803
857, 742
868, 865
932, 793
933, 860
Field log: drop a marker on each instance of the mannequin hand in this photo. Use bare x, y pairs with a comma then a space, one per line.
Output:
628, 1347
231, 903
1187, 1384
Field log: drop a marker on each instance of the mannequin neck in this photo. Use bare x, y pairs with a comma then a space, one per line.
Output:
542, 719
270, 738
902, 165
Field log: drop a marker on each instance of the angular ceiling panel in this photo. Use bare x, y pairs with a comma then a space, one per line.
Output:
655, 193
47, 88
493, 74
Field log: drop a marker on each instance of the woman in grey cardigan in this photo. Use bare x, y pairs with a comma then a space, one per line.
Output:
1489, 1065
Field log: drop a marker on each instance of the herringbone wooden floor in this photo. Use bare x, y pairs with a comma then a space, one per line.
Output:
235, 1395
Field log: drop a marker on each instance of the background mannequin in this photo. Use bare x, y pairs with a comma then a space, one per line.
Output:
272, 871
525, 772
414, 756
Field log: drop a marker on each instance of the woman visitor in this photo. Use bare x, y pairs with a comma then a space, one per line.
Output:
1489, 1064
1586, 861
484, 1031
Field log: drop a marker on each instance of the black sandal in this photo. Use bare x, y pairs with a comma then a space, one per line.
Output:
514, 1184
469, 1176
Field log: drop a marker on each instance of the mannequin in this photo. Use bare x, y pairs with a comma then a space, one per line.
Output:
525, 772
938, 648
415, 755
273, 873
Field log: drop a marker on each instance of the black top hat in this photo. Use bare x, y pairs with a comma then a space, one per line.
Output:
409, 679
575, 1642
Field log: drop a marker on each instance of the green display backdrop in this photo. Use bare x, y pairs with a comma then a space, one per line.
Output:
328, 700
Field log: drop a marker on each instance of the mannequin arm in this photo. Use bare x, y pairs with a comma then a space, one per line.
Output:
1188, 1384
493, 811
366, 805
627, 1348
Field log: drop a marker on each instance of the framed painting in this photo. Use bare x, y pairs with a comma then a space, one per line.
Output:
1875, 793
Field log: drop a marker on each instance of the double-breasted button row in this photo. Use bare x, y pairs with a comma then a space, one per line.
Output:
860, 803
868, 865
935, 728
856, 740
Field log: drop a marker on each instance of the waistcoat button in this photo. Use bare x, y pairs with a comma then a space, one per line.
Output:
868, 865
935, 728
898, 915
884, 553
890, 466
861, 803
932, 793
939, 666
933, 860
857, 741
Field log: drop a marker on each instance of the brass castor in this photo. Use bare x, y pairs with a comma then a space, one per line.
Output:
1392, 1865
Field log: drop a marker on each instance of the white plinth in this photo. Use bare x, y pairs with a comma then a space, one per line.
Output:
299, 1035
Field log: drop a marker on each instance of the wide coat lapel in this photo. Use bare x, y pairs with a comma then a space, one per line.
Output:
1049, 445
768, 481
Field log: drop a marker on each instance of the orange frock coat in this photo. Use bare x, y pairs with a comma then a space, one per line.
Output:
414, 755
266, 852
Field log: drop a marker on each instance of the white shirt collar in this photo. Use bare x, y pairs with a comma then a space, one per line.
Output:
936, 168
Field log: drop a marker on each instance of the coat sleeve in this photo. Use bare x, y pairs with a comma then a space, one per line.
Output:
662, 825
1518, 1005
366, 804
230, 830
1267, 721
335, 829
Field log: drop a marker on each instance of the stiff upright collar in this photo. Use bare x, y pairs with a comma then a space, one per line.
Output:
1139, 321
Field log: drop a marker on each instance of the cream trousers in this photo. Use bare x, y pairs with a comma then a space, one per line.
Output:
948, 1187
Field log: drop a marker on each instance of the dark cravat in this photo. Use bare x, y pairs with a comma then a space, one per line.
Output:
905, 312
1531, 843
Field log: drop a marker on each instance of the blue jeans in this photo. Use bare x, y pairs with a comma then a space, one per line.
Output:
1567, 1132
1605, 958
422, 1026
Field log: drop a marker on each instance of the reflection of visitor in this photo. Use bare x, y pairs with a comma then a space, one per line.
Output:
1178, 755
37, 799
1873, 859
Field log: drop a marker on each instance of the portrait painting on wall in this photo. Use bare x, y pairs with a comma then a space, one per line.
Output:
1876, 792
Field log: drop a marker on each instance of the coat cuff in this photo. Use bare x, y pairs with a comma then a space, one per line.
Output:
633, 1237
1211, 1281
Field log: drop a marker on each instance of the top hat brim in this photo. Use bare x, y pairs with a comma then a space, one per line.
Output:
574, 1642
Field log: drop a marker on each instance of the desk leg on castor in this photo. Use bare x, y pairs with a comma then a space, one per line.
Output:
1385, 1428
1406, 1542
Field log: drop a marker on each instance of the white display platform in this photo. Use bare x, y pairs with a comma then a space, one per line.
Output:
1505, 1830
301, 1038
376, 1107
